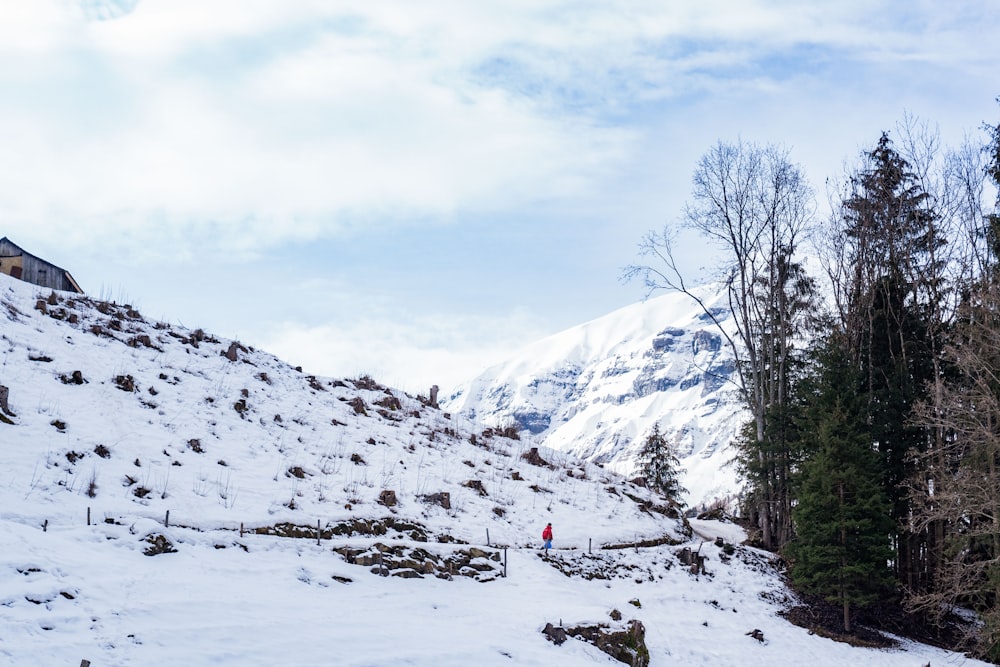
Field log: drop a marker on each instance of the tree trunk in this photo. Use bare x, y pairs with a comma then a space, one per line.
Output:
843, 565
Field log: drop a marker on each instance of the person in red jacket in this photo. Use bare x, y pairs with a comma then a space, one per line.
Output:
547, 536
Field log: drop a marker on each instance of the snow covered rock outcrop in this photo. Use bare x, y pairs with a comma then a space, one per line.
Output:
596, 390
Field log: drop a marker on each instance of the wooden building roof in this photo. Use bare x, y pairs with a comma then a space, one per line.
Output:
17, 262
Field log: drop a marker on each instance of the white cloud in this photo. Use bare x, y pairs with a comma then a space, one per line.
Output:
376, 126
292, 120
409, 353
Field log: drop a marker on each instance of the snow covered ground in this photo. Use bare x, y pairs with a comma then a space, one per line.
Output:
204, 454
89, 592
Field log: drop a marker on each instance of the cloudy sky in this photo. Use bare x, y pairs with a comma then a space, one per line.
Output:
413, 190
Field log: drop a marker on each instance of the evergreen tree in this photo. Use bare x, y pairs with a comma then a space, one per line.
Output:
660, 466
842, 521
888, 287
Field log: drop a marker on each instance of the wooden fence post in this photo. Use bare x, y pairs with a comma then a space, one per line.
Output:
166, 520
505, 562
88, 516
319, 533
4, 408
487, 537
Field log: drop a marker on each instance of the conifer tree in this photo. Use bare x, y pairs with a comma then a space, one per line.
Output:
842, 521
660, 466
887, 281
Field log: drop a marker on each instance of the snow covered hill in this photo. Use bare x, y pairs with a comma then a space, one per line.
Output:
596, 390
169, 497
137, 417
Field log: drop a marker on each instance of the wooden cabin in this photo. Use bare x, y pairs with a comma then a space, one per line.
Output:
14, 261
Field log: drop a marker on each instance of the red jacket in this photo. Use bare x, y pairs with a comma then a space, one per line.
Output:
547, 533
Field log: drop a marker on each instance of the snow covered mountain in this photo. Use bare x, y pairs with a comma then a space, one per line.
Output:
169, 497
596, 390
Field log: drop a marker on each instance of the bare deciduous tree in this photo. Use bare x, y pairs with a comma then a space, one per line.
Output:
955, 491
959, 487
754, 205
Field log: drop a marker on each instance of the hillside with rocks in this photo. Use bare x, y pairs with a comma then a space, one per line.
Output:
172, 497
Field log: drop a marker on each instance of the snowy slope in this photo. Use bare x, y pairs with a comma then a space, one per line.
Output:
181, 426
239, 515
596, 390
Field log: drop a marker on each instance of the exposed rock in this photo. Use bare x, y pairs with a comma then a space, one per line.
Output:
142, 339
125, 383
389, 402
534, 458
387, 498
442, 498
76, 377
407, 573
704, 340
627, 645
158, 544
414, 563
366, 382
475, 485
233, 352
379, 527
554, 634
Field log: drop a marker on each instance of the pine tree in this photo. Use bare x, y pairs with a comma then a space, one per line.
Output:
842, 521
660, 466
888, 286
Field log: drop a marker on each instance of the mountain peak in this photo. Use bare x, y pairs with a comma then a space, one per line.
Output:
597, 389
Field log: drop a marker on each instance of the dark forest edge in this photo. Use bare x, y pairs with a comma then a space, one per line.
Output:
871, 461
